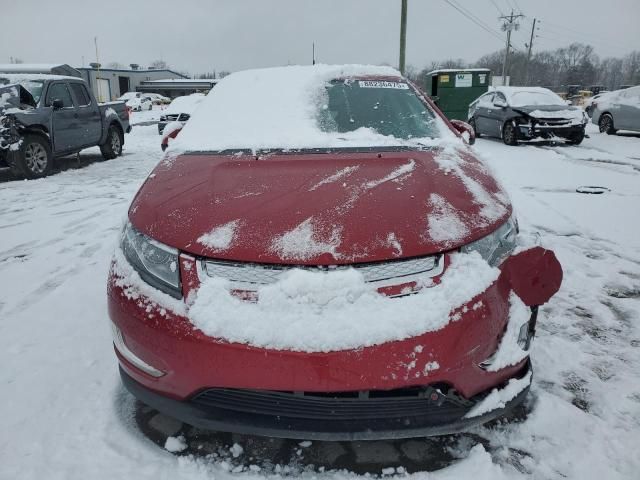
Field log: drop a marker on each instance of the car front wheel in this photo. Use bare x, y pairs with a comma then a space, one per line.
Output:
34, 159
472, 122
576, 138
509, 134
605, 124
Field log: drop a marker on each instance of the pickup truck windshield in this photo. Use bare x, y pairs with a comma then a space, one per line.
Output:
34, 87
390, 108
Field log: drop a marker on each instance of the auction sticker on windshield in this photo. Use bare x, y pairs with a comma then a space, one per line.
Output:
382, 84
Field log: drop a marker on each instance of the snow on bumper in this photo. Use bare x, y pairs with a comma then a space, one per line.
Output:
453, 354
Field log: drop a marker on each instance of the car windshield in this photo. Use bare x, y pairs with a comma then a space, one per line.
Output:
525, 98
389, 108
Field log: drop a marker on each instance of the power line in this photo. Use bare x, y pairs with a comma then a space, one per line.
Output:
497, 7
518, 7
474, 19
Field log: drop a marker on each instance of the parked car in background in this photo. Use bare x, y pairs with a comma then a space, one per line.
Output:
129, 96
619, 110
588, 103
158, 99
138, 104
518, 114
43, 117
321, 256
180, 110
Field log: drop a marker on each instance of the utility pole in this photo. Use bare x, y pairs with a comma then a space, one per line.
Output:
530, 46
313, 53
403, 35
510, 24
100, 99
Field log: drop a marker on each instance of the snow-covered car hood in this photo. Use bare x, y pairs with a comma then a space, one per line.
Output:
324, 208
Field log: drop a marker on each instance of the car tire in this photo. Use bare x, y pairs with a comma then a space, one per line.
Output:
112, 147
472, 122
605, 124
34, 159
509, 134
576, 138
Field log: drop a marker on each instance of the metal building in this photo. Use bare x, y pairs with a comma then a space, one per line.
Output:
109, 84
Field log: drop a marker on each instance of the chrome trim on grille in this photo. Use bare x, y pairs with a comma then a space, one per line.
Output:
249, 276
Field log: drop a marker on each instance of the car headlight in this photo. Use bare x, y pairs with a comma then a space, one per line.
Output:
496, 246
157, 264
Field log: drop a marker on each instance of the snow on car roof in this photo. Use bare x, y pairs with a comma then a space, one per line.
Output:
185, 104
276, 108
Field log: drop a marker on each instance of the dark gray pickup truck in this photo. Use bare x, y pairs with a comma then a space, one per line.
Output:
43, 117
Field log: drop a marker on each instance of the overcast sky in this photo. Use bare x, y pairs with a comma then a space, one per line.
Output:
202, 35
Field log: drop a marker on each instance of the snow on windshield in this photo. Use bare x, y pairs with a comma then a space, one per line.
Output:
278, 108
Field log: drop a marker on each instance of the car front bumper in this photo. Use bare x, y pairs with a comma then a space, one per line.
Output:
176, 368
295, 416
530, 132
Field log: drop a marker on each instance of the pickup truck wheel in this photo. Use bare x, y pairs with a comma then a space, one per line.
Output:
34, 160
112, 148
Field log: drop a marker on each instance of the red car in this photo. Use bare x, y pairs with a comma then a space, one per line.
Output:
320, 255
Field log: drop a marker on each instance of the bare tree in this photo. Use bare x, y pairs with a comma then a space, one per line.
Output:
159, 65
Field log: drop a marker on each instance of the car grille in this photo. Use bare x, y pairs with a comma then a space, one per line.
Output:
411, 402
380, 274
176, 117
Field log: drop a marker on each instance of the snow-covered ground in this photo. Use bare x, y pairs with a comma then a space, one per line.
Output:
64, 415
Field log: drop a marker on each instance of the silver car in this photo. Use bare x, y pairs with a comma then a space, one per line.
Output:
619, 110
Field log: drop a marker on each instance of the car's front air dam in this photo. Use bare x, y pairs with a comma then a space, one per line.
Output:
295, 416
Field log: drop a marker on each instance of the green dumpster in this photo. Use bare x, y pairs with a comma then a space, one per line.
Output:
454, 89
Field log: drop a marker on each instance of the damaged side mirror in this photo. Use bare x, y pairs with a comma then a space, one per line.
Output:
465, 130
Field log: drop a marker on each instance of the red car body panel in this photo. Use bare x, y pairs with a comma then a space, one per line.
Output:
188, 196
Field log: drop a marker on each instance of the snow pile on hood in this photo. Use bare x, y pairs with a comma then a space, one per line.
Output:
323, 312
221, 237
305, 242
277, 108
